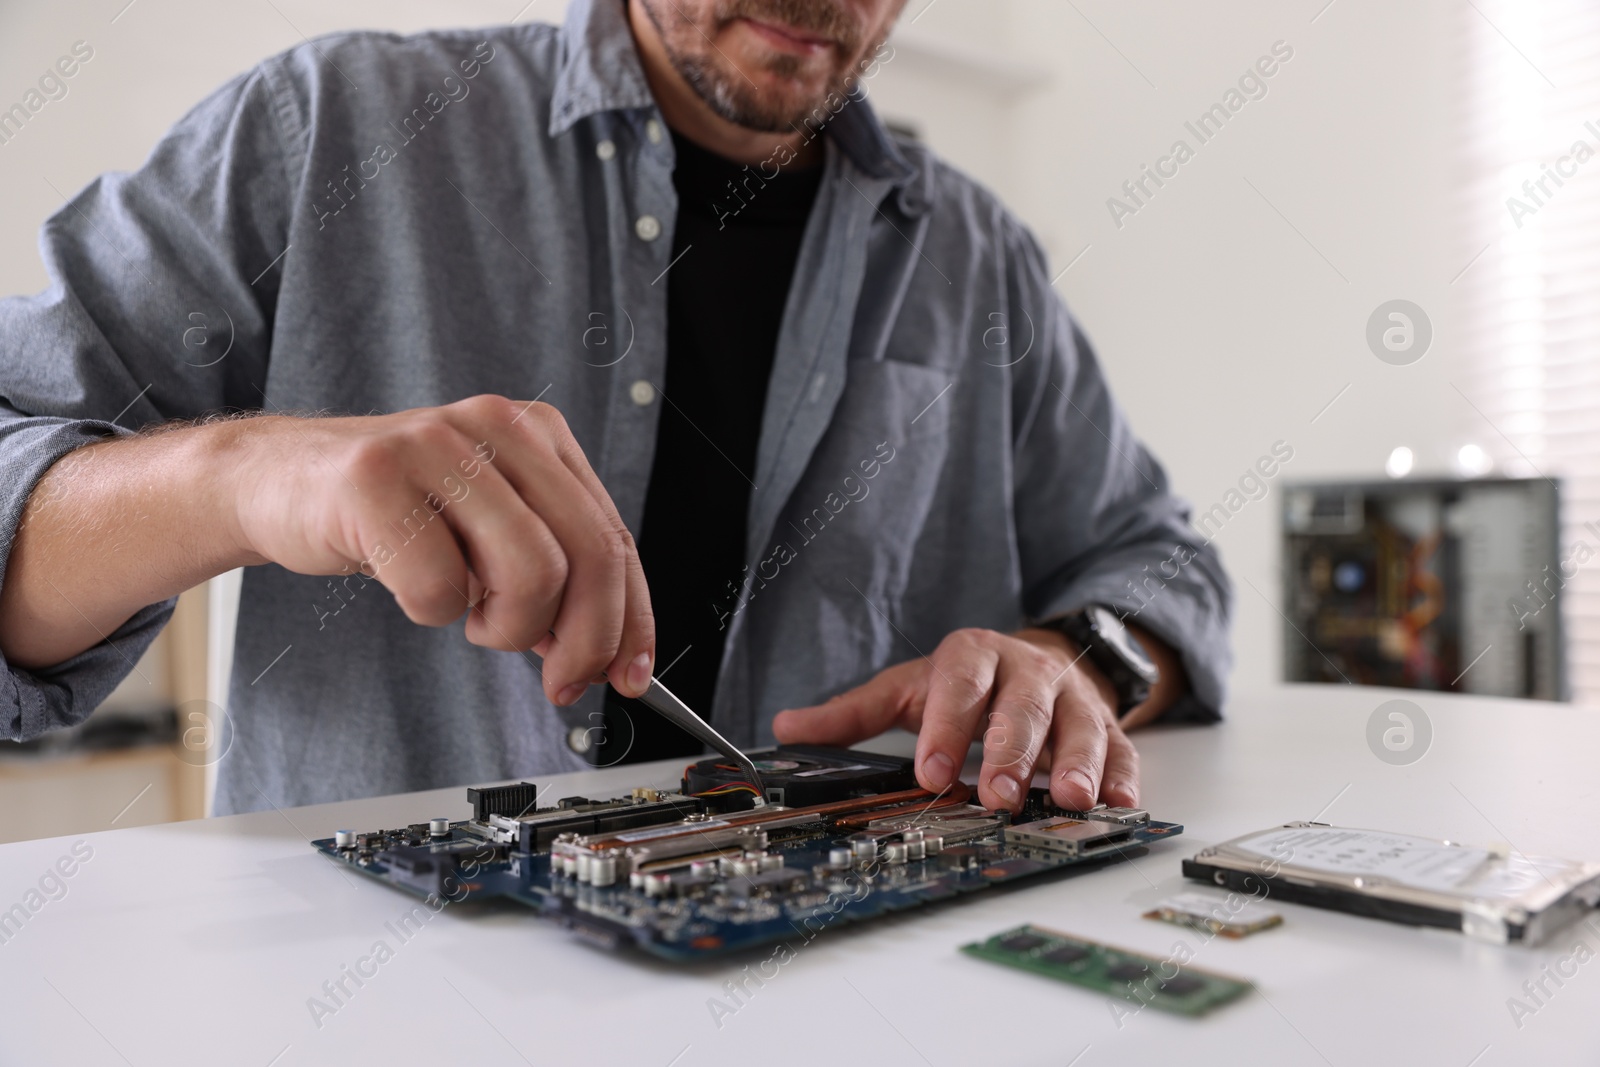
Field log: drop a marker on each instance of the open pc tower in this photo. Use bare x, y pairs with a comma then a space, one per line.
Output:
1443, 585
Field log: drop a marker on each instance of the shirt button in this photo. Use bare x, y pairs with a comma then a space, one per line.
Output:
641, 392
605, 150
652, 130
648, 227
578, 739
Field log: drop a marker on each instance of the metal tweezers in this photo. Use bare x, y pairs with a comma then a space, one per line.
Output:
659, 698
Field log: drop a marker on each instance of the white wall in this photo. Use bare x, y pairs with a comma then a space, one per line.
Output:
1221, 328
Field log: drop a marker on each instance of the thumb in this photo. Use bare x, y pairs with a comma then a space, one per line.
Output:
887, 700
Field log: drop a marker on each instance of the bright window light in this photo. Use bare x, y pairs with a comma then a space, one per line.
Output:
1473, 462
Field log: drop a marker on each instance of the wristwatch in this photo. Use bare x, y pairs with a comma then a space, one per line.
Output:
1109, 645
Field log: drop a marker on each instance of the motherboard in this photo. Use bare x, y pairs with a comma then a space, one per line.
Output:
717, 866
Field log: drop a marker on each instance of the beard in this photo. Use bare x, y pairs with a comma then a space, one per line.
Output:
726, 89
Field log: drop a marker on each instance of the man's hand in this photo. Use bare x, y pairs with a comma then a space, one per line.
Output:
1034, 700
487, 503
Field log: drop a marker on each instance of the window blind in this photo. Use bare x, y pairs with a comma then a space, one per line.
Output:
1529, 292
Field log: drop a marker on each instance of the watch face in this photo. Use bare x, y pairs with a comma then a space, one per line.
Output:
1118, 637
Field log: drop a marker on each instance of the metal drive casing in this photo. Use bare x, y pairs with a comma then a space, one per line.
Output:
1490, 894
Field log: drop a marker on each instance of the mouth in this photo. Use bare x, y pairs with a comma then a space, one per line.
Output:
787, 38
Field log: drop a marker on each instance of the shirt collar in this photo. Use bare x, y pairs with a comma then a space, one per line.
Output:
600, 71
859, 133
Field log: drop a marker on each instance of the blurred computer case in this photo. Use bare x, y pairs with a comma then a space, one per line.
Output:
1443, 585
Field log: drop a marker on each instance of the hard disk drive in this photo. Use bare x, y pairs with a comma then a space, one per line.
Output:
1490, 894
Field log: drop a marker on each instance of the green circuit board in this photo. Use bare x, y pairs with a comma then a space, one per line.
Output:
1164, 984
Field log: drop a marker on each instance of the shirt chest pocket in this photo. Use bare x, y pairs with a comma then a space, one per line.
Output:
873, 483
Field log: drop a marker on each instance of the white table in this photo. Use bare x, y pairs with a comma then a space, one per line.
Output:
201, 942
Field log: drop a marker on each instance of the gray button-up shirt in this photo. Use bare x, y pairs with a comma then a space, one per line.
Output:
374, 223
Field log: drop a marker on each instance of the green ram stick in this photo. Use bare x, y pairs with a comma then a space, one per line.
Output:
1163, 984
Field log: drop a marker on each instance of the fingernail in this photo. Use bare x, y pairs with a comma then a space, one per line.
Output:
1128, 791
1079, 781
938, 770
1006, 787
639, 671
570, 694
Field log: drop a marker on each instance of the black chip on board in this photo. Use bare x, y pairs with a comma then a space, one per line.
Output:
1181, 985
1022, 942
1065, 954
1129, 972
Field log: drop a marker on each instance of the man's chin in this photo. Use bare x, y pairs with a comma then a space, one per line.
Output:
794, 94
760, 88
773, 105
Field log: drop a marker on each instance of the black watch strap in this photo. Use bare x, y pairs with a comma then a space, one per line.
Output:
1113, 649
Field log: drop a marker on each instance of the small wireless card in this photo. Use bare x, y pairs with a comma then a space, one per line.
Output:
1134, 976
1231, 917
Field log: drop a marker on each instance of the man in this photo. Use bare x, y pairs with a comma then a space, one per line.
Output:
496, 299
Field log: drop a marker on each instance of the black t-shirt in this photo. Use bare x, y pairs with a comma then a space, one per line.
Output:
738, 234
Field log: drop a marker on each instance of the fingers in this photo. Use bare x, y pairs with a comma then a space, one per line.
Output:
1120, 784
1019, 724
476, 590
1031, 719
891, 698
601, 563
630, 668
526, 534
519, 570
404, 544
960, 680
1014, 689
1078, 750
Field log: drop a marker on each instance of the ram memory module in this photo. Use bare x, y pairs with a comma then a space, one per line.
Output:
1163, 984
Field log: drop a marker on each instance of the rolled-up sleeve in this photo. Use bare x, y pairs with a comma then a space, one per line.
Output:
1096, 520
158, 308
